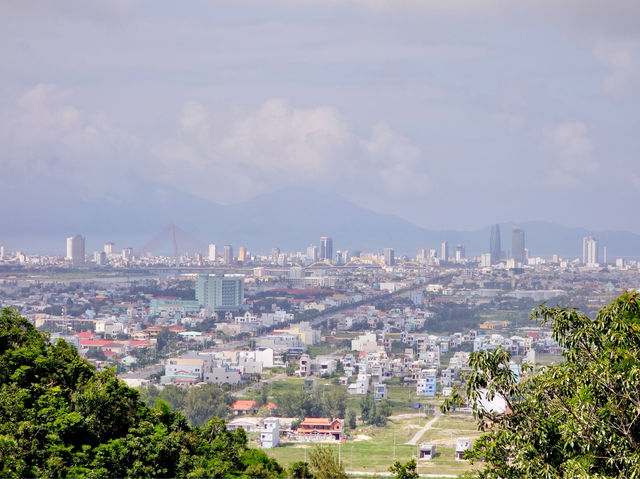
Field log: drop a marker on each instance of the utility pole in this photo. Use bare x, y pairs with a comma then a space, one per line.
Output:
352, 457
394, 444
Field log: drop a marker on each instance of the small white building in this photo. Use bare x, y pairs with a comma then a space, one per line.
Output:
426, 451
462, 444
379, 391
270, 433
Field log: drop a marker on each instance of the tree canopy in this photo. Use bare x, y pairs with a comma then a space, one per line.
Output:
61, 418
578, 418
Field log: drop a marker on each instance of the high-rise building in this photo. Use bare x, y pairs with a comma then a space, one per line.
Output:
312, 253
242, 254
389, 258
494, 243
220, 293
460, 253
326, 248
275, 254
75, 250
422, 255
228, 254
1, 252
127, 253
108, 248
444, 251
100, 258
213, 252
517, 245
589, 251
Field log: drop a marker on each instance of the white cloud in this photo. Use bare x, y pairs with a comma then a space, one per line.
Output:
396, 161
621, 58
44, 135
278, 145
572, 149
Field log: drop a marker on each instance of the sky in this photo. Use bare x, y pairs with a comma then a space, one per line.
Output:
453, 115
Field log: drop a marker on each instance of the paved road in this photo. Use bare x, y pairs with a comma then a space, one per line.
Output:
416, 437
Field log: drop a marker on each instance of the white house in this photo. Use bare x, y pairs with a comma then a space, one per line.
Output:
270, 433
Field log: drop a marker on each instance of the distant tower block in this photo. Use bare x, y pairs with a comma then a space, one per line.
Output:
517, 245
212, 252
389, 257
312, 253
108, 248
444, 251
75, 250
228, 254
494, 243
326, 248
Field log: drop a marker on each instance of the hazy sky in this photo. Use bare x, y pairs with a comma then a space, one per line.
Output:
452, 114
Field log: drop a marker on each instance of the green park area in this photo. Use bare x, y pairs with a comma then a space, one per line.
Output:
373, 449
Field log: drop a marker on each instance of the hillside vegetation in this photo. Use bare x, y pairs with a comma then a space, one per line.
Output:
61, 418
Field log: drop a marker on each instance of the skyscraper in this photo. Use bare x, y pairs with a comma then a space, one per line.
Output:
517, 245
444, 251
312, 253
213, 252
589, 251
494, 243
220, 293
460, 253
228, 254
242, 254
75, 250
326, 248
389, 257
108, 248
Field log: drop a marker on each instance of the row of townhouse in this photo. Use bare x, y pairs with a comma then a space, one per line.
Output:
226, 367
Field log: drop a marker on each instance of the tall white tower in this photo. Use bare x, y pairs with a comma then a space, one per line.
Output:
589, 251
75, 250
213, 252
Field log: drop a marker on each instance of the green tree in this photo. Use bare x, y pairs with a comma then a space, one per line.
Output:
352, 419
204, 402
325, 464
300, 470
335, 403
405, 471
59, 418
174, 395
579, 418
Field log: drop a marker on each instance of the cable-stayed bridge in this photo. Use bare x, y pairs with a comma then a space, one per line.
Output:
173, 241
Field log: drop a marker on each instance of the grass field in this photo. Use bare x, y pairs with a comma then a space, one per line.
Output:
372, 449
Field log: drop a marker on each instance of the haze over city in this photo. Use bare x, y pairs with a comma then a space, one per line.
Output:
451, 117
319, 239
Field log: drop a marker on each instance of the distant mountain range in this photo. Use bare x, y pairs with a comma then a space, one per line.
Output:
290, 219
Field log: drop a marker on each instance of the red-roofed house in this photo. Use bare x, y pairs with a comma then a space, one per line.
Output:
86, 335
321, 428
244, 406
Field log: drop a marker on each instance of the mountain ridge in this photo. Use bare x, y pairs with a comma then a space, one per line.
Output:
290, 219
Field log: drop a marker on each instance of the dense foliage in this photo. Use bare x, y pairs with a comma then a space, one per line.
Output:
325, 464
198, 404
374, 413
301, 404
59, 418
579, 418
